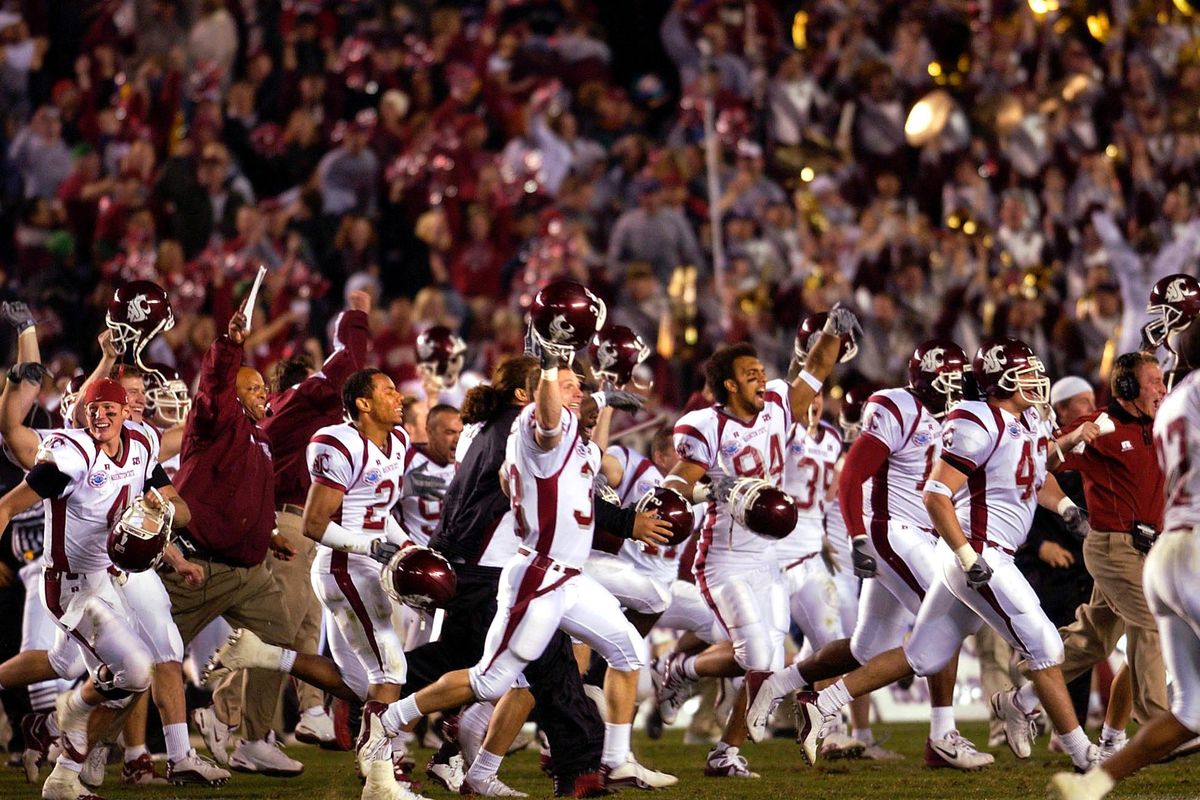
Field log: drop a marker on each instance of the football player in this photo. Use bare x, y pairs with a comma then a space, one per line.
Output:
739, 442
980, 498
898, 446
87, 479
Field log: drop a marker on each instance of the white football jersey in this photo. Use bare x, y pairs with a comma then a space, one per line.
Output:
551, 490
419, 516
100, 489
370, 478
808, 469
727, 447
913, 438
1004, 458
1177, 440
638, 477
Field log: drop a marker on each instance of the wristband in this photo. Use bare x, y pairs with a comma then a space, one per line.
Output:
601, 400
1064, 504
829, 328
550, 374
338, 538
813, 381
937, 487
393, 532
547, 432
966, 556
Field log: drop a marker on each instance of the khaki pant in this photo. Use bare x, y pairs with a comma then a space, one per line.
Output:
1117, 606
293, 577
995, 670
247, 597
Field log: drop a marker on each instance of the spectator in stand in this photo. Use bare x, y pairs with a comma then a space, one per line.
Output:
652, 234
41, 156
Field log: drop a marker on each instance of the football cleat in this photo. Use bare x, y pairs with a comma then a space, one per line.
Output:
727, 763
875, 751
447, 773
633, 775
374, 743
1092, 759
809, 726
64, 784
35, 730
196, 770
242, 650
955, 751
264, 757
1020, 729
1112, 745
671, 688
72, 726
837, 743
92, 774
214, 732
760, 702
491, 786
140, 772
315, 729
381, 784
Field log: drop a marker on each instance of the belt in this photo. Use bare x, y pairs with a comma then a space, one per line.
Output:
191, 550
978, 546
548, 563
799, 561
291, 508
55, 572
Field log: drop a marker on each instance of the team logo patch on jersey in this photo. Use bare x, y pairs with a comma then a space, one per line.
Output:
320, 464
730, 449
372, 477
1014, 430
55, 442
797, 448
97, 479
948, 438
642, 487
922, 438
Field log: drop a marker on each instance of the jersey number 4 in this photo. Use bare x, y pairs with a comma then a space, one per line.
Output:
748, 463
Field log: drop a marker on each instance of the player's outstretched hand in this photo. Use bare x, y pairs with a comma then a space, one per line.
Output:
649, 529
979, 574
864, 562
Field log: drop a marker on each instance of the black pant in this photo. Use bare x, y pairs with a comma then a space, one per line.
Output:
570, 721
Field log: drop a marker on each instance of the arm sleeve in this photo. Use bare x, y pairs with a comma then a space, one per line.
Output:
882, 420
329, 463
216, 400
865, 458
614, 519
47, 480
65, 456
965, 444
692, 443
158, 478
350, 353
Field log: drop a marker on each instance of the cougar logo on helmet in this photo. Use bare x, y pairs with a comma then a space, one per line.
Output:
995, 359
560, 329
606, 354
934, 359
138, 309
1175, 291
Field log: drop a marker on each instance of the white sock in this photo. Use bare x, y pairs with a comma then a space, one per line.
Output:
688, 668
1108, 734
616, 744
941, 721
287, 660
831, 699
75, 701
484, 766
66, 763
1076, 743
864, 735
1026, 698
315, 711
788, 680
178, 745
134, 753
722, 746
400, 713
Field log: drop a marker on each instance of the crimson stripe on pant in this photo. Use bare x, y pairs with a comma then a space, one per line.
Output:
879, 538
339, 569
53, 589
526, 591
987, 594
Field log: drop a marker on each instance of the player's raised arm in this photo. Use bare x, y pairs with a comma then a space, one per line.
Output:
835, 341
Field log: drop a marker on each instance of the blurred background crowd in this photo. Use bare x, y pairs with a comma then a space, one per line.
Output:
947, 167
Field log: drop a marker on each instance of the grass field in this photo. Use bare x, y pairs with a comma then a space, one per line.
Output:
331, 775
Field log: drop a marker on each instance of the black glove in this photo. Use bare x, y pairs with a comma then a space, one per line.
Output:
382, 550
549, 356
1076, 520
621, 400
18, 315
864, 562
841, 321
721, 488
602, 490
27, 371
979, 574
419, 483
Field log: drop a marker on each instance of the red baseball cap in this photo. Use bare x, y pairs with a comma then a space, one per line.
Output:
105, 390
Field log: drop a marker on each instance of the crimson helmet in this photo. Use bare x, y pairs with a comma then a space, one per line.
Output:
617, 352
137, 541
850, 417
70, 397
166, 394
806, 337
419, 577
935, 374
566, 316
440, 354
1005, 366
668, 504
763, 508
139, 311
1174, 303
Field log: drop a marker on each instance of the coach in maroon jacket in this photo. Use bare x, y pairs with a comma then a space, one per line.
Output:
227, 470
294, 414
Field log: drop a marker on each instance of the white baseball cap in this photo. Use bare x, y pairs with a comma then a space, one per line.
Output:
1066, 388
